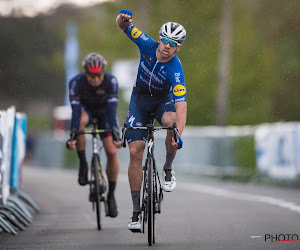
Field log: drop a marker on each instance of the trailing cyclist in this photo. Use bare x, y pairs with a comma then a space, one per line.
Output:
94, 94
159, 89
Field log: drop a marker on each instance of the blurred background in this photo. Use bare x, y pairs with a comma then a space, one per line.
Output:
241, 61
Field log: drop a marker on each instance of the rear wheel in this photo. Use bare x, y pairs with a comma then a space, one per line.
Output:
95, 163
154, 198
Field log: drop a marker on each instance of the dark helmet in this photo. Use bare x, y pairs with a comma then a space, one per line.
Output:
94, 63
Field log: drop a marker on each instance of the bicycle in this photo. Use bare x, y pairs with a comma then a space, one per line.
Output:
98, 186
152, 194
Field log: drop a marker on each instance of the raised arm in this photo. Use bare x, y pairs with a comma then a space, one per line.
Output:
124, 19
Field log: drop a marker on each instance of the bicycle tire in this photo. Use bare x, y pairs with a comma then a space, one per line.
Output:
150, 203
144, 197
95, 163
154, 197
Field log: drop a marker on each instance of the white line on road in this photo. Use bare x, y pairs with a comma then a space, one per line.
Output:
240, 196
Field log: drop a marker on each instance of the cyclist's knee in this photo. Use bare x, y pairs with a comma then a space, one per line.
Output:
112, 152
136, 151
168, 119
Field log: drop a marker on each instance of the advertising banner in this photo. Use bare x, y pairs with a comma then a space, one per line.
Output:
277, 150
18, 150
7, 120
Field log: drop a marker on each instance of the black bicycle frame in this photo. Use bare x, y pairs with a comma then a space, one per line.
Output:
150, 205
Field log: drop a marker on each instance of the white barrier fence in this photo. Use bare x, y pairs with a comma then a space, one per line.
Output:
7, 122
16, 207
278, 149
273, 149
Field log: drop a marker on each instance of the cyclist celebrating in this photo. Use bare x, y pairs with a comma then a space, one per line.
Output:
159, 89
94, 94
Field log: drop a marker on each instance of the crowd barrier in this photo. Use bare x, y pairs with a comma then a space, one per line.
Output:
16, 207
241, 151
278, 149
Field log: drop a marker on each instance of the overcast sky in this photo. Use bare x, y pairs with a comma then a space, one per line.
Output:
33, 7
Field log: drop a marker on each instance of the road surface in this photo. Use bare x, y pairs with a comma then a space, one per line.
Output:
199, 214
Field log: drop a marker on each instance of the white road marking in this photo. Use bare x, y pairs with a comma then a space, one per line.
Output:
240, 196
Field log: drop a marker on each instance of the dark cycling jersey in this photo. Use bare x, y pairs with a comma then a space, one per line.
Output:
98, 102
156, 78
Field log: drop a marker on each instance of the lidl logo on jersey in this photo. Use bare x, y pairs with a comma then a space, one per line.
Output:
135, 33
179, 90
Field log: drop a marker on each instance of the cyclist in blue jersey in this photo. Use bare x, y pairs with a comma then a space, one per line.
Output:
159, 89
94, 94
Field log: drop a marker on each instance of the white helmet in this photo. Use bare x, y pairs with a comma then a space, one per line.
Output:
174, 31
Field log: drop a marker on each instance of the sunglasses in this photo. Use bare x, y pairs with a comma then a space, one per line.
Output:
99, 75
167, 40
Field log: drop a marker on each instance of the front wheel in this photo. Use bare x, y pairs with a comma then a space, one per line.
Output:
150, 204
95, 163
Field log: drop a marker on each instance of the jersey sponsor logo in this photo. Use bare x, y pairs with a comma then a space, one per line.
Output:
135, 33
131, 120
179, 90
130, 27
144, 37
182, 99
177, 77
149, 73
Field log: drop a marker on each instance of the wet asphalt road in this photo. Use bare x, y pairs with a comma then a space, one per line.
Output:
199, 214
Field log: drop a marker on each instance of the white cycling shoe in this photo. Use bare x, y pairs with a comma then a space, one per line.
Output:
168, 180
135, 222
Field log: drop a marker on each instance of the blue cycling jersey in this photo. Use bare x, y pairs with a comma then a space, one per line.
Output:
156, 78
99, 102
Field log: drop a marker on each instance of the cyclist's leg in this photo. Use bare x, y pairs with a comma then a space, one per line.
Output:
84, 121
166, 115
112, 171
113, 163
135, 176
138, 115
135, 171
80, 146
111, 151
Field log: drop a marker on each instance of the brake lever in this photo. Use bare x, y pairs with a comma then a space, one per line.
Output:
176, 135
124, 132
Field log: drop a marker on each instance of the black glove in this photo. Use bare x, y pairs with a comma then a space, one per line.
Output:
72, 138
67, 143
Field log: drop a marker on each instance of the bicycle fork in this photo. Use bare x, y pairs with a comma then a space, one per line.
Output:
157, 190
